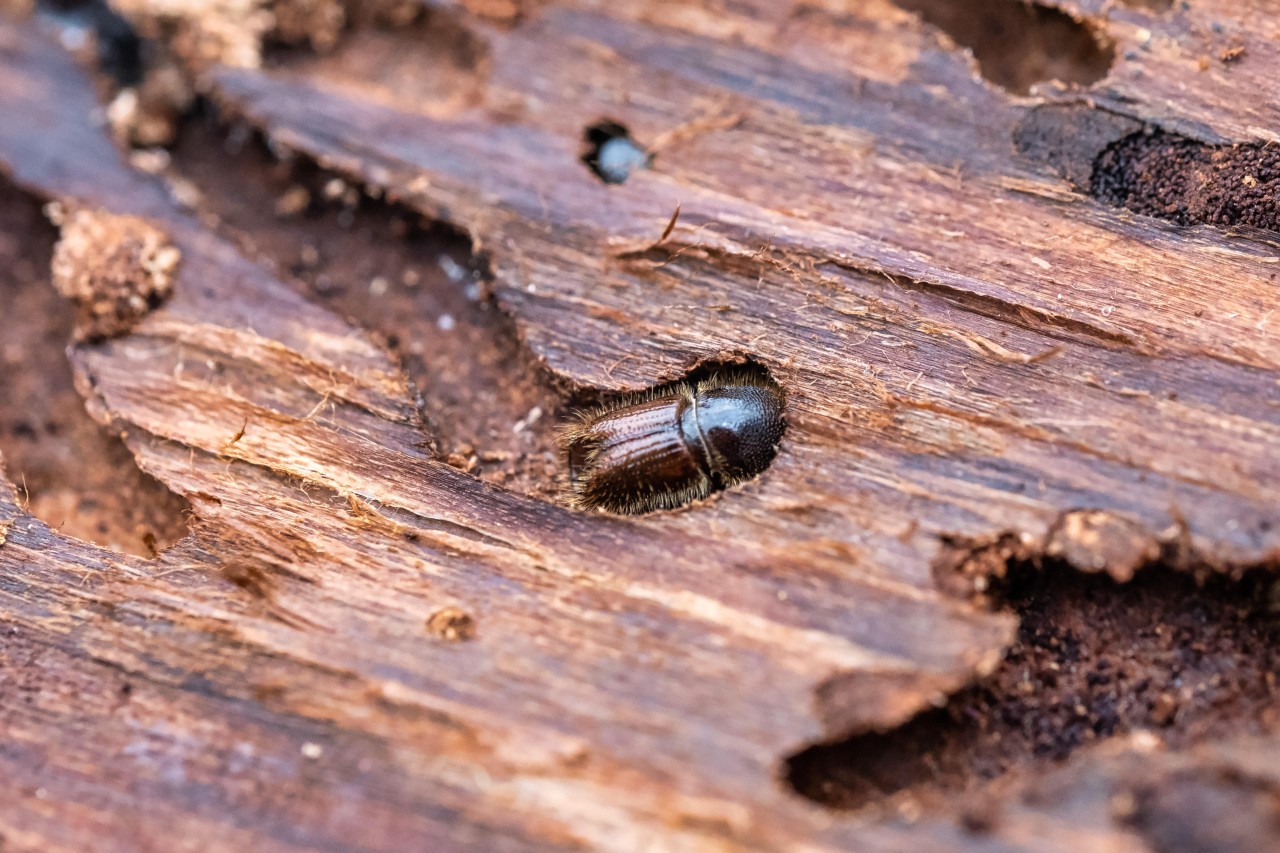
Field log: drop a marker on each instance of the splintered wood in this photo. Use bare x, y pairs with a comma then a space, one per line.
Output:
358, 646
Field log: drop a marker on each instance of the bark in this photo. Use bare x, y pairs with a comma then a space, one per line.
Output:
360, 646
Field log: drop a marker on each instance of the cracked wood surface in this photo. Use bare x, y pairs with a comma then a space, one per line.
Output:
969, 346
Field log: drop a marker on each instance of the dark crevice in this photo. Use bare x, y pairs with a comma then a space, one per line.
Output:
1185, 656
415, 57
1019, 44
70, 472
118, 49
490, 406
145, 91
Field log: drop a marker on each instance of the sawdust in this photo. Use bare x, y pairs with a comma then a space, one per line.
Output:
115, 269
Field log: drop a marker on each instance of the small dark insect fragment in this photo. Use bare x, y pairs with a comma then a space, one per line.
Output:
667, 446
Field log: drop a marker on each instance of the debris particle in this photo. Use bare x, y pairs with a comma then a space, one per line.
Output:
454, 270
312, 751
153, 161
452, 624
239, 435
528, 420
1123, 805
465, 462
671, 224
1232, 54
613, 155
446, 322
618, 158
148, 115
1165, 709
294, 201
184, 193
334, 189
115, 269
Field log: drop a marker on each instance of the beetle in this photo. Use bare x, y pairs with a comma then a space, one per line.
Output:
677, 443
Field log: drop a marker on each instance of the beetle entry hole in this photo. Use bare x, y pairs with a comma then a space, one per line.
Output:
1093, 658
1019, 44
119, 51
612, 154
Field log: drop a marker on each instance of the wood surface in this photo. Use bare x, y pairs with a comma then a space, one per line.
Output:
972, 348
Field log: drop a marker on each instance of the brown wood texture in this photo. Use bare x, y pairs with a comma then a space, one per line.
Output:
971, 347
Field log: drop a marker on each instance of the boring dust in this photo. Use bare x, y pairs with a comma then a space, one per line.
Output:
71, 472
1182, 658
1190, 183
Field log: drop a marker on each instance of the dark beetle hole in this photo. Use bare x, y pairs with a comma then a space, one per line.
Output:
1068, 138
119, 49
612, 154
1018, 44
1093, 658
